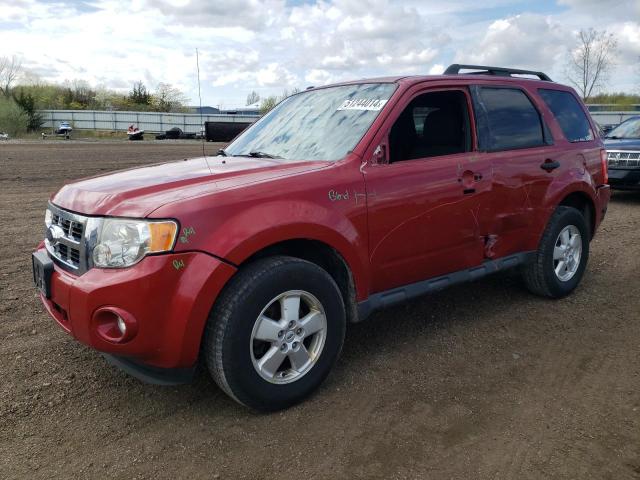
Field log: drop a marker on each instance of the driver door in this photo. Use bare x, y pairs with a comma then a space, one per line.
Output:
427, 191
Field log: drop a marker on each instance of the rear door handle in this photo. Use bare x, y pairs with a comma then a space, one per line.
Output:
549, 165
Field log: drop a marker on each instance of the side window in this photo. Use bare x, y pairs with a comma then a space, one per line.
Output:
433, 124
512, 120
569, 114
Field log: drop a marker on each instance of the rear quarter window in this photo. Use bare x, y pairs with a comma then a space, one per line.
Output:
512, 120
569, 114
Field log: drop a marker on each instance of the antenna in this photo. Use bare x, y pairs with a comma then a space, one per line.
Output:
203, 130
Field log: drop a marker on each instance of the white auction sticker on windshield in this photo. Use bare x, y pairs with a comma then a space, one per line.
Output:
362, 104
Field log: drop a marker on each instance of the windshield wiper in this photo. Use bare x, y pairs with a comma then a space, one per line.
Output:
614, 137
258, 154
255, 154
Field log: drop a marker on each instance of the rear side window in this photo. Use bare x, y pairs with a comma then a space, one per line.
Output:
512, 120
570, 116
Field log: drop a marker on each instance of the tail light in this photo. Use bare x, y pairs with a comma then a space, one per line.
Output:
603, 163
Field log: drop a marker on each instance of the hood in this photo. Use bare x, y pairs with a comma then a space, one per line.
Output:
138, 191
622, 144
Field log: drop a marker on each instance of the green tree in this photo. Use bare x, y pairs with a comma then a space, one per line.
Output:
13, 120
139, 94
267, 104
27, 103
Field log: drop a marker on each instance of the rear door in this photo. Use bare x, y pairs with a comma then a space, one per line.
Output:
581, 144
524, 160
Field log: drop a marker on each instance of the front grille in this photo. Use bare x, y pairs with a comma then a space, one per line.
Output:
623, 159
68, 250
71, 228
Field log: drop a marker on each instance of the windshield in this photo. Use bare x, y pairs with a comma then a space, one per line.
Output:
323, 124
628, 129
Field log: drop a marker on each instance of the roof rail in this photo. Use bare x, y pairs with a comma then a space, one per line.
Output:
497, 71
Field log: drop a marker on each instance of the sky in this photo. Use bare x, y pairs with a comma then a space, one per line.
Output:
268, 46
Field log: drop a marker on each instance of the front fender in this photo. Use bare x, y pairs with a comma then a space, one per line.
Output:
234, 228
336, 231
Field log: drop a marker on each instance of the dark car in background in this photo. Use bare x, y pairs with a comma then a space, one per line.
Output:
623, 155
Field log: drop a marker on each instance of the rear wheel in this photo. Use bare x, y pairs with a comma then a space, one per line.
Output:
562, 255
275, 332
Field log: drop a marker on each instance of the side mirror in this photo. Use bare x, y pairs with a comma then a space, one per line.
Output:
380, 155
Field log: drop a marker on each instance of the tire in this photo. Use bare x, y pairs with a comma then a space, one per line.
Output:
252, 306
540, 274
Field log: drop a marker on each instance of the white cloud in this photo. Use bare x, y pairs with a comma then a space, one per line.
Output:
522, 41
248, 14
274, 75
272, 45
319, 77
436, 69
605, 10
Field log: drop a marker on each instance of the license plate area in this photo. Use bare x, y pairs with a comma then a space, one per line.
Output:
42, 271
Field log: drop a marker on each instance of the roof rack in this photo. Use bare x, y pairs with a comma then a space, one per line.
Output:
497, 71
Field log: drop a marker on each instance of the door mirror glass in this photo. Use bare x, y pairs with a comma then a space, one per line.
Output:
380, 155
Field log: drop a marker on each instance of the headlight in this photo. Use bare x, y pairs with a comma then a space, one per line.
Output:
47, 218
123, 242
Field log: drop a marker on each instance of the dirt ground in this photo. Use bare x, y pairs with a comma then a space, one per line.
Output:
480, 381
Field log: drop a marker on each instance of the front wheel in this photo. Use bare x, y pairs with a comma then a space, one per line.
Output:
275, 332
562, 255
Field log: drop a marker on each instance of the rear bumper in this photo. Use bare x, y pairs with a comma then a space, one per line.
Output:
624, 179
603, 195
169, 302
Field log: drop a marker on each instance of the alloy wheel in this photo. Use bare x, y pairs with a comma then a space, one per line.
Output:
567, 253
288, 337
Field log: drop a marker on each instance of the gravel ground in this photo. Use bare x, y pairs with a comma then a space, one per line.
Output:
480, 381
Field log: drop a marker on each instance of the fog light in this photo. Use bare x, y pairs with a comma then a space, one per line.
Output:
122, 326
114, 324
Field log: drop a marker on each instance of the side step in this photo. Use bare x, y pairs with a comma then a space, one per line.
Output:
385, 299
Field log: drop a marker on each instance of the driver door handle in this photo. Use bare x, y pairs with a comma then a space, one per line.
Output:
550, 165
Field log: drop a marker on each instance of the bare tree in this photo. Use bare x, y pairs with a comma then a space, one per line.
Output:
591, 61
167, 98
10, 68
253, 97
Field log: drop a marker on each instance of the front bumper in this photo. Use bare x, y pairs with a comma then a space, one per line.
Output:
169, 296
624, 179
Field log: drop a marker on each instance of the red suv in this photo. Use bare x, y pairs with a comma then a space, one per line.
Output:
342, 200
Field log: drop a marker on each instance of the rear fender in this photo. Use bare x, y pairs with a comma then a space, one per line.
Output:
560, 190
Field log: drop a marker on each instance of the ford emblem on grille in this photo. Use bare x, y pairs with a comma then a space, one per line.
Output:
54, 234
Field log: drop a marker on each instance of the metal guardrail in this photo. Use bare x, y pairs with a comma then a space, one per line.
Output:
157, 122
611, 107
612, 118
152, 122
